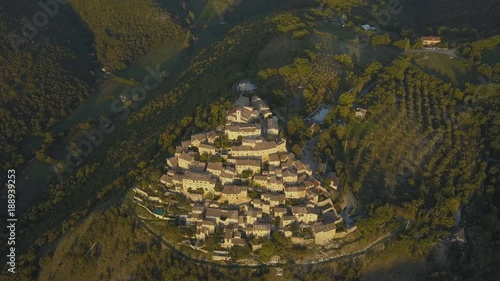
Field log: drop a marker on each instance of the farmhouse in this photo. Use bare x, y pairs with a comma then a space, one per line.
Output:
360, 112
431, 40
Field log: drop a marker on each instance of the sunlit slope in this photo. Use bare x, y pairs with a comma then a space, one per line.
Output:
125, 30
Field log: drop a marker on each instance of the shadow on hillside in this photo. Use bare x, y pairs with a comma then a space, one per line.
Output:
408, 270
399, 267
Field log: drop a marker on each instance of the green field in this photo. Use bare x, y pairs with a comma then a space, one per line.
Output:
279, 52
449, 69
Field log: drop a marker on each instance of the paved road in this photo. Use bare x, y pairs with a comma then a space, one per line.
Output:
448, 52
326, 260
366, 89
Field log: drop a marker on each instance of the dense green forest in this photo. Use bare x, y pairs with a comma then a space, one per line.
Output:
468, 17
483, 54
42, 78
210, 75
125, 30
425, 150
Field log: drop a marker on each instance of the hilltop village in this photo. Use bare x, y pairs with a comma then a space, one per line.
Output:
243, 182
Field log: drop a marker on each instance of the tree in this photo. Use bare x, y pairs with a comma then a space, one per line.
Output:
337, 5
403, 44
295, 125
382, 39
297, 150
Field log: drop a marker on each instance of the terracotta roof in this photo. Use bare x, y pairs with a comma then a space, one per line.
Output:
228, 233
214, 166
243, 148
212, 212
239, 241
165, 178
280, 210
186, 157
254, 212
198, 137
247, 162
320, 227
299, 210
295, 188
233, 110
274, 157
243, 127
207, 146
199, 177
431, 38
232, 189
230, 214
259, 178
273, 197
207, 223
186, 143
259, 226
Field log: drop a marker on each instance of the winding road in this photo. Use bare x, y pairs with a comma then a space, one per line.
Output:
181, 255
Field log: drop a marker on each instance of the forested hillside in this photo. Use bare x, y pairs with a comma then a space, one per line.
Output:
41, 79
125, 30
424, 150
47, 75
419, 152
428, 16
109, 172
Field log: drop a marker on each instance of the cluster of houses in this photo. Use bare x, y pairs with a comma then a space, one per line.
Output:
255, 186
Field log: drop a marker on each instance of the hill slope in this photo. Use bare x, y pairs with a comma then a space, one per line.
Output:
42, 78
125, 30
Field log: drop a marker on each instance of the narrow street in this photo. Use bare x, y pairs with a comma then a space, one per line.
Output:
307, 154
